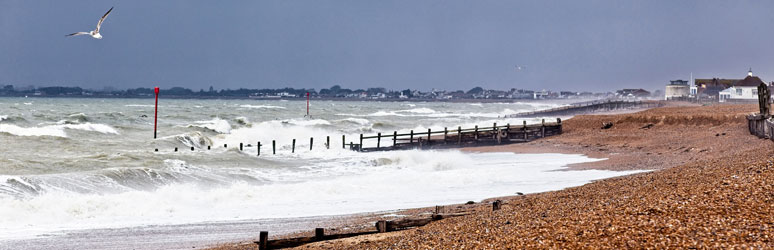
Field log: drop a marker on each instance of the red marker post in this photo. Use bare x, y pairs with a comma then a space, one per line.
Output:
156, 112
307, 103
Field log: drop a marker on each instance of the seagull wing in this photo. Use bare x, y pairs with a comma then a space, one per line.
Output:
99, 24
78, 34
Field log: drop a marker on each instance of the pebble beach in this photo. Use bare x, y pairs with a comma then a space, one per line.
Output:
710, 187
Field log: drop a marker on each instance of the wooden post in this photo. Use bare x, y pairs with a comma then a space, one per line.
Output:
558, 120
459, 135
525, 131
428, 137
543, 128
351, 146
475, 137
411, 137
378, 140
225, 145
343, 142
311, 143
494, 127
208, 147
319, 234
360, 148
327, 142
394, 138
240, 146
496, 205
259, 148
381, 226
445, 134
273, 147
263, 240
175, 149
293, 147
192, 148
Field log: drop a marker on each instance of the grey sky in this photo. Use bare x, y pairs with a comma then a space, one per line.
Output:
563, 45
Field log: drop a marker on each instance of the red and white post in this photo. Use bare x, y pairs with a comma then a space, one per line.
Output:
156, 112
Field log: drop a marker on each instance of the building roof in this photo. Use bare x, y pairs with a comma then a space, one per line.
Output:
749, 81
715, 82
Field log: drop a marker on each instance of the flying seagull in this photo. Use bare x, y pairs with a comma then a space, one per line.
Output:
94, 33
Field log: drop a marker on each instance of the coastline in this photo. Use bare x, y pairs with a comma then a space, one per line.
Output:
707, 168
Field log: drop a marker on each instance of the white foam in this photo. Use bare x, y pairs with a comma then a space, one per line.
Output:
261, 106
346, 182
3, 117
360, 121
216, 124
56, 130
418, 110
139, 105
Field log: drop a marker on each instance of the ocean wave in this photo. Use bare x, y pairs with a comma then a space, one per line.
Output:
418, 111
139, 105
56, 130
261, 106
216, 124
359, 121
194, 139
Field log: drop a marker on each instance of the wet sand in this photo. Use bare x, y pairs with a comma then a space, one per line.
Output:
712, 188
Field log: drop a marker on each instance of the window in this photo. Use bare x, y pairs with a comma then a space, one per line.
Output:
755, 92
738, 91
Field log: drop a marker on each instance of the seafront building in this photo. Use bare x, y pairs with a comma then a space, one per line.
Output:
744, 90
677, 89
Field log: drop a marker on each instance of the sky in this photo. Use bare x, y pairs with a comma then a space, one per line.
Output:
443, 44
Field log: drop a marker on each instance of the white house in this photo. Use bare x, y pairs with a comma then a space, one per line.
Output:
745, 89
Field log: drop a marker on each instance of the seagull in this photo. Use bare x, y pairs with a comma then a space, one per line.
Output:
94, 33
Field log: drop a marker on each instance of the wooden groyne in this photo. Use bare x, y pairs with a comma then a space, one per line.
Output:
381, 226
459, 137
439, 139
589, 107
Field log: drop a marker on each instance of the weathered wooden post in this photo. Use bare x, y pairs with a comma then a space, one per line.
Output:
360, 148
494, 126
319, 234
525, 131
192, 148
543, 128
208, 147
311, 143
259, 148
496, 205
411, 137
273, 147
378, 140
351, 146
428, 137
293, 146
263, 240
327, 142
381, 226
445, 134
764, 100
394, 138
175, 149
343, 142
459, 135
240, 146
475, 137
225, 145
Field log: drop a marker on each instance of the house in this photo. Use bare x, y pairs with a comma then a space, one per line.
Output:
709, 88
743, 90
677, 89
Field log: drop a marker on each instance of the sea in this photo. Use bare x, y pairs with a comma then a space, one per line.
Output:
86, 173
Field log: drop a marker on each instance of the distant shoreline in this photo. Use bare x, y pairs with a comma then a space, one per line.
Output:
318, 99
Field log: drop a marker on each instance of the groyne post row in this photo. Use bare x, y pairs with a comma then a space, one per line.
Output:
382, 226
446, 138
589, 107
459, 137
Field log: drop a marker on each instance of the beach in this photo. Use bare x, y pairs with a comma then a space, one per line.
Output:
710, 188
